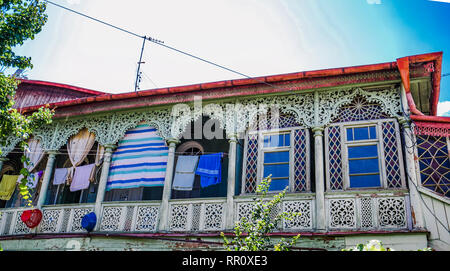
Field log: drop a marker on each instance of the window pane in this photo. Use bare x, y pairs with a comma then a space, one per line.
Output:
280, 140
363, 166
276, 170
373, 132
266, 141
361, 133
279, 184
275, 157
349, 134
365, 181
362, 151
287, 140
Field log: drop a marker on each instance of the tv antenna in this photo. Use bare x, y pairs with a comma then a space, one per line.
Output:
139, 73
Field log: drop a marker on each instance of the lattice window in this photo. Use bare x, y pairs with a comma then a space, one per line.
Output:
251, 165
391, 155
360, 109
301, 170
342, 213
392, 212
334, 166
147, 217
364, 155
434, 163
304, 221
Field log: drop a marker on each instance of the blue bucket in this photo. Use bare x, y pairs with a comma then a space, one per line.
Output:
88, 222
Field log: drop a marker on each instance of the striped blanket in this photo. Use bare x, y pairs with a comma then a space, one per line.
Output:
139, 160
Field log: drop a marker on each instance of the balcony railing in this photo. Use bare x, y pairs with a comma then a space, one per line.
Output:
345, 211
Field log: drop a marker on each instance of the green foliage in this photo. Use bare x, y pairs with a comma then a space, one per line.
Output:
253, 234
20, 20
376, 245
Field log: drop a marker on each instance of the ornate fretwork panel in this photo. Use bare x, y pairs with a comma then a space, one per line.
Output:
19, 226
111, 218
342, 213
332, 102
251, 164
391, 154
301, 162
147, 218
244, 210
273, 120
10, 144
434, 163
392, 212
304, 220
214, 214
334, 152
179, 215
360, 109
77, 217
50, 220
367, 212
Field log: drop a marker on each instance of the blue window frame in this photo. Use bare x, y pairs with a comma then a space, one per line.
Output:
276, 161
363, 160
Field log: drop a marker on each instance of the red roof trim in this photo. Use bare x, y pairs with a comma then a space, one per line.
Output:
253, 81
59, 85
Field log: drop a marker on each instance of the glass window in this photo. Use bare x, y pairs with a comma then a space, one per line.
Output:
279, 140
363, 164
361, 133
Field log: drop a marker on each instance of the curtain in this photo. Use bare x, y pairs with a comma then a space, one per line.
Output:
78, 148
35, 153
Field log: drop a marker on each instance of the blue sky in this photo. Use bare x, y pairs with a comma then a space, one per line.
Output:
254, 37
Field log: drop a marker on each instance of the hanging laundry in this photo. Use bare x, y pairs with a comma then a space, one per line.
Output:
140, 160
82, 176
7, 186
210, 169
60, 176
185, 173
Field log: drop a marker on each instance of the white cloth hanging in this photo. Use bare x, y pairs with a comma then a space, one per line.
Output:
34, 153
185, 173
78, 148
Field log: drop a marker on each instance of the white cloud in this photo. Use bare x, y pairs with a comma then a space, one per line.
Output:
445, 1
371, 2
443, 109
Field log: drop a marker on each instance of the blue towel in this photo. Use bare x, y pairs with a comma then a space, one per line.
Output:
210, 169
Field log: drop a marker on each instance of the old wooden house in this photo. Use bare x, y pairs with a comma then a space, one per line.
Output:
360, 149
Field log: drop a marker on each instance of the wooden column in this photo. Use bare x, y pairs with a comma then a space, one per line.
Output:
409, 149
163, 224
320, 179
231, 182
102, 183
47, 176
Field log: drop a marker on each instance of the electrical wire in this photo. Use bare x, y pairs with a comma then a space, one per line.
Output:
160, 43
